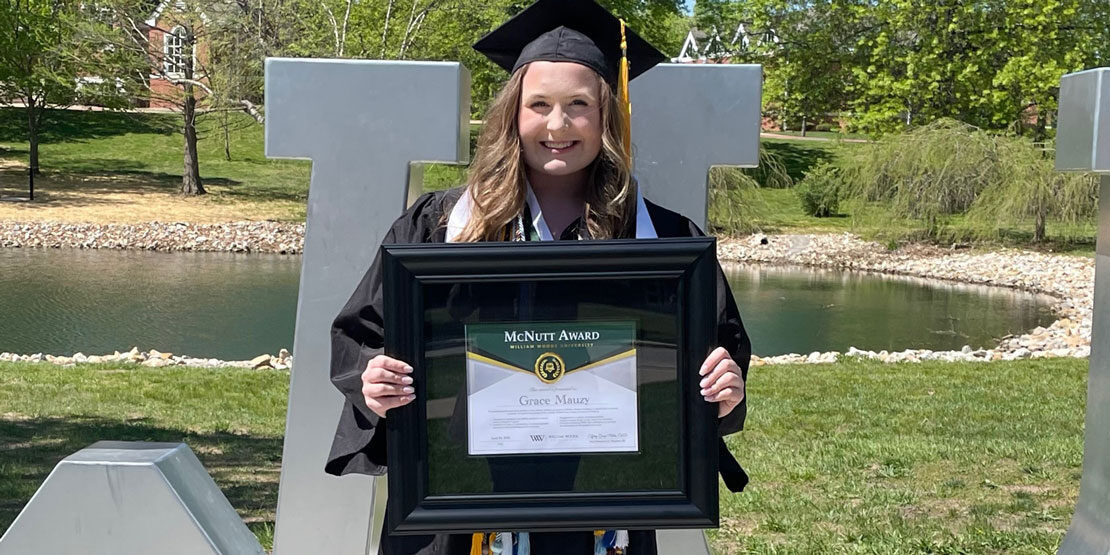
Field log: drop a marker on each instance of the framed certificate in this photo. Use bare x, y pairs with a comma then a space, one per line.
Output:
557, 385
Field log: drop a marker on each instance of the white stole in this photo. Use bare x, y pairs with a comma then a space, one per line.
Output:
460, 215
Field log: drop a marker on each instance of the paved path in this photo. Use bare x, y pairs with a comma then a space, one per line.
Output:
772, 135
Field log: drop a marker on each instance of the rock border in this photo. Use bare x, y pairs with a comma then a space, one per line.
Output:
261, 237
155, 359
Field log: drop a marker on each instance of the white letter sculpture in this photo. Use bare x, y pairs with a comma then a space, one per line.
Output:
1083, 144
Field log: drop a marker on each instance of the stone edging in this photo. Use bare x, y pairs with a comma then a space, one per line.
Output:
265, 237
156, 359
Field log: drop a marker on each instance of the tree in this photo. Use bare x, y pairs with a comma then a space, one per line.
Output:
806, 49
1040, 41
986, 63
1032, 189
47, 59
177, 50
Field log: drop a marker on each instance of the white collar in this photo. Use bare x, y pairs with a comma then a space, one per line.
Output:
460, 215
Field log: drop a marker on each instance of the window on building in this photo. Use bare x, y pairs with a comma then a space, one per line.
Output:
175, 54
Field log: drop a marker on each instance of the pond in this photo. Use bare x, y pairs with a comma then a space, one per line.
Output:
236, 306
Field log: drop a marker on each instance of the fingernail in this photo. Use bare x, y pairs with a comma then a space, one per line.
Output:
408, 368
701, 371
407, 389
703, 383
409, 398
406, 380
704, 391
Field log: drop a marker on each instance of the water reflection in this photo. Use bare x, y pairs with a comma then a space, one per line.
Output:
235, 306
230, 306
800, 310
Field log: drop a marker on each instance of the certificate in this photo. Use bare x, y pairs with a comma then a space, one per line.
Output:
556, 385
550, 387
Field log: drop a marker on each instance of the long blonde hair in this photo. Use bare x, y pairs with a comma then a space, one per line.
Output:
496, 180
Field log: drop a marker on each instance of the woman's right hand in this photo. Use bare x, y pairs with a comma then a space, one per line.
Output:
386, 384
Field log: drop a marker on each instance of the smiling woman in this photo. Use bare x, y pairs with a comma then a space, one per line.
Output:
560, 119
552, 163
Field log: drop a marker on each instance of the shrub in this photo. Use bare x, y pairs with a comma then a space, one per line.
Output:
962, 182
819, 191
823, 127
734, 203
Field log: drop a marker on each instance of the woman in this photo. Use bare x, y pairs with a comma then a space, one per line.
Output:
553, 162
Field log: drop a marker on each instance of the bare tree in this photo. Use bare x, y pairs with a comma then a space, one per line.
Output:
178, 46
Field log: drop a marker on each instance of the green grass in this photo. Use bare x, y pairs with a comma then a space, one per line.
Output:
940, 458
233, 419
147, 147
852, 457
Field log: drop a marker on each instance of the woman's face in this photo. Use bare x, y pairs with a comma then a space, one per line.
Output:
559, 117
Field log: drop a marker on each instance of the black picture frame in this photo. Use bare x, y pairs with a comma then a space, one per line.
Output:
687, 264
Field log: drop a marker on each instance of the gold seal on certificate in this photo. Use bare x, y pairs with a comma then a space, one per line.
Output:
551, 387
550, 367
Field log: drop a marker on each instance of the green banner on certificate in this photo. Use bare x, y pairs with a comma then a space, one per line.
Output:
552, 387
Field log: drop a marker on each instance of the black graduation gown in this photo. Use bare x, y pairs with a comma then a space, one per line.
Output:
357, 337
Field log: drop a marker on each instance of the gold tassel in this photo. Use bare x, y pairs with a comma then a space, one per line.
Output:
622, 93
476, 543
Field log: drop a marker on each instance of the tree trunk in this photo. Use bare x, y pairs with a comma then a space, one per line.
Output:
1041, 132
227, 137
1038, 227
803, 126
190, 180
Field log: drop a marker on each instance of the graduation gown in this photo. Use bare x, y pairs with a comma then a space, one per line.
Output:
357, 335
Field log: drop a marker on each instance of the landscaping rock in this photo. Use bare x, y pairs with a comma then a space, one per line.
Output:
261, 361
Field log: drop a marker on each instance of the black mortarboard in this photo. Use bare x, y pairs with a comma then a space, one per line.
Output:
578, 31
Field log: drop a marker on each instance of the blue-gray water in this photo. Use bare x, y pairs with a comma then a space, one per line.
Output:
235, 306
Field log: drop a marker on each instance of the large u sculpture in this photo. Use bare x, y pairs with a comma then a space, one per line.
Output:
362, 123
1083, 144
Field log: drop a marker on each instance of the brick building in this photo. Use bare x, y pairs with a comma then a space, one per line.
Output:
177, 51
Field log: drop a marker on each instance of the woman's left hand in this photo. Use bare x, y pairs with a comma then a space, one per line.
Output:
722, 382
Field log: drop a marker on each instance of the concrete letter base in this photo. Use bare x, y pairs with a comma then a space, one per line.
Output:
118, 498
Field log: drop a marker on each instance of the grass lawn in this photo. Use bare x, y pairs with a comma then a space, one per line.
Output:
851, 457
126, 167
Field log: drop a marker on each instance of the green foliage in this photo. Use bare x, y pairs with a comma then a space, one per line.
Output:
1032, 189
897, 64
984, 63
819, 192
804, 48
734, 202
52, 54
926, 174
419, 30
956, 181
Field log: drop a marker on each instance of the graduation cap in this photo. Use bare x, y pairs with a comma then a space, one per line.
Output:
578, 31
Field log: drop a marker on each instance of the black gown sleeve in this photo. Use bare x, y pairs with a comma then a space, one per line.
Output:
730, 335
357, 335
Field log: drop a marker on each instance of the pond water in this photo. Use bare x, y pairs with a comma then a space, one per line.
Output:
235, 306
